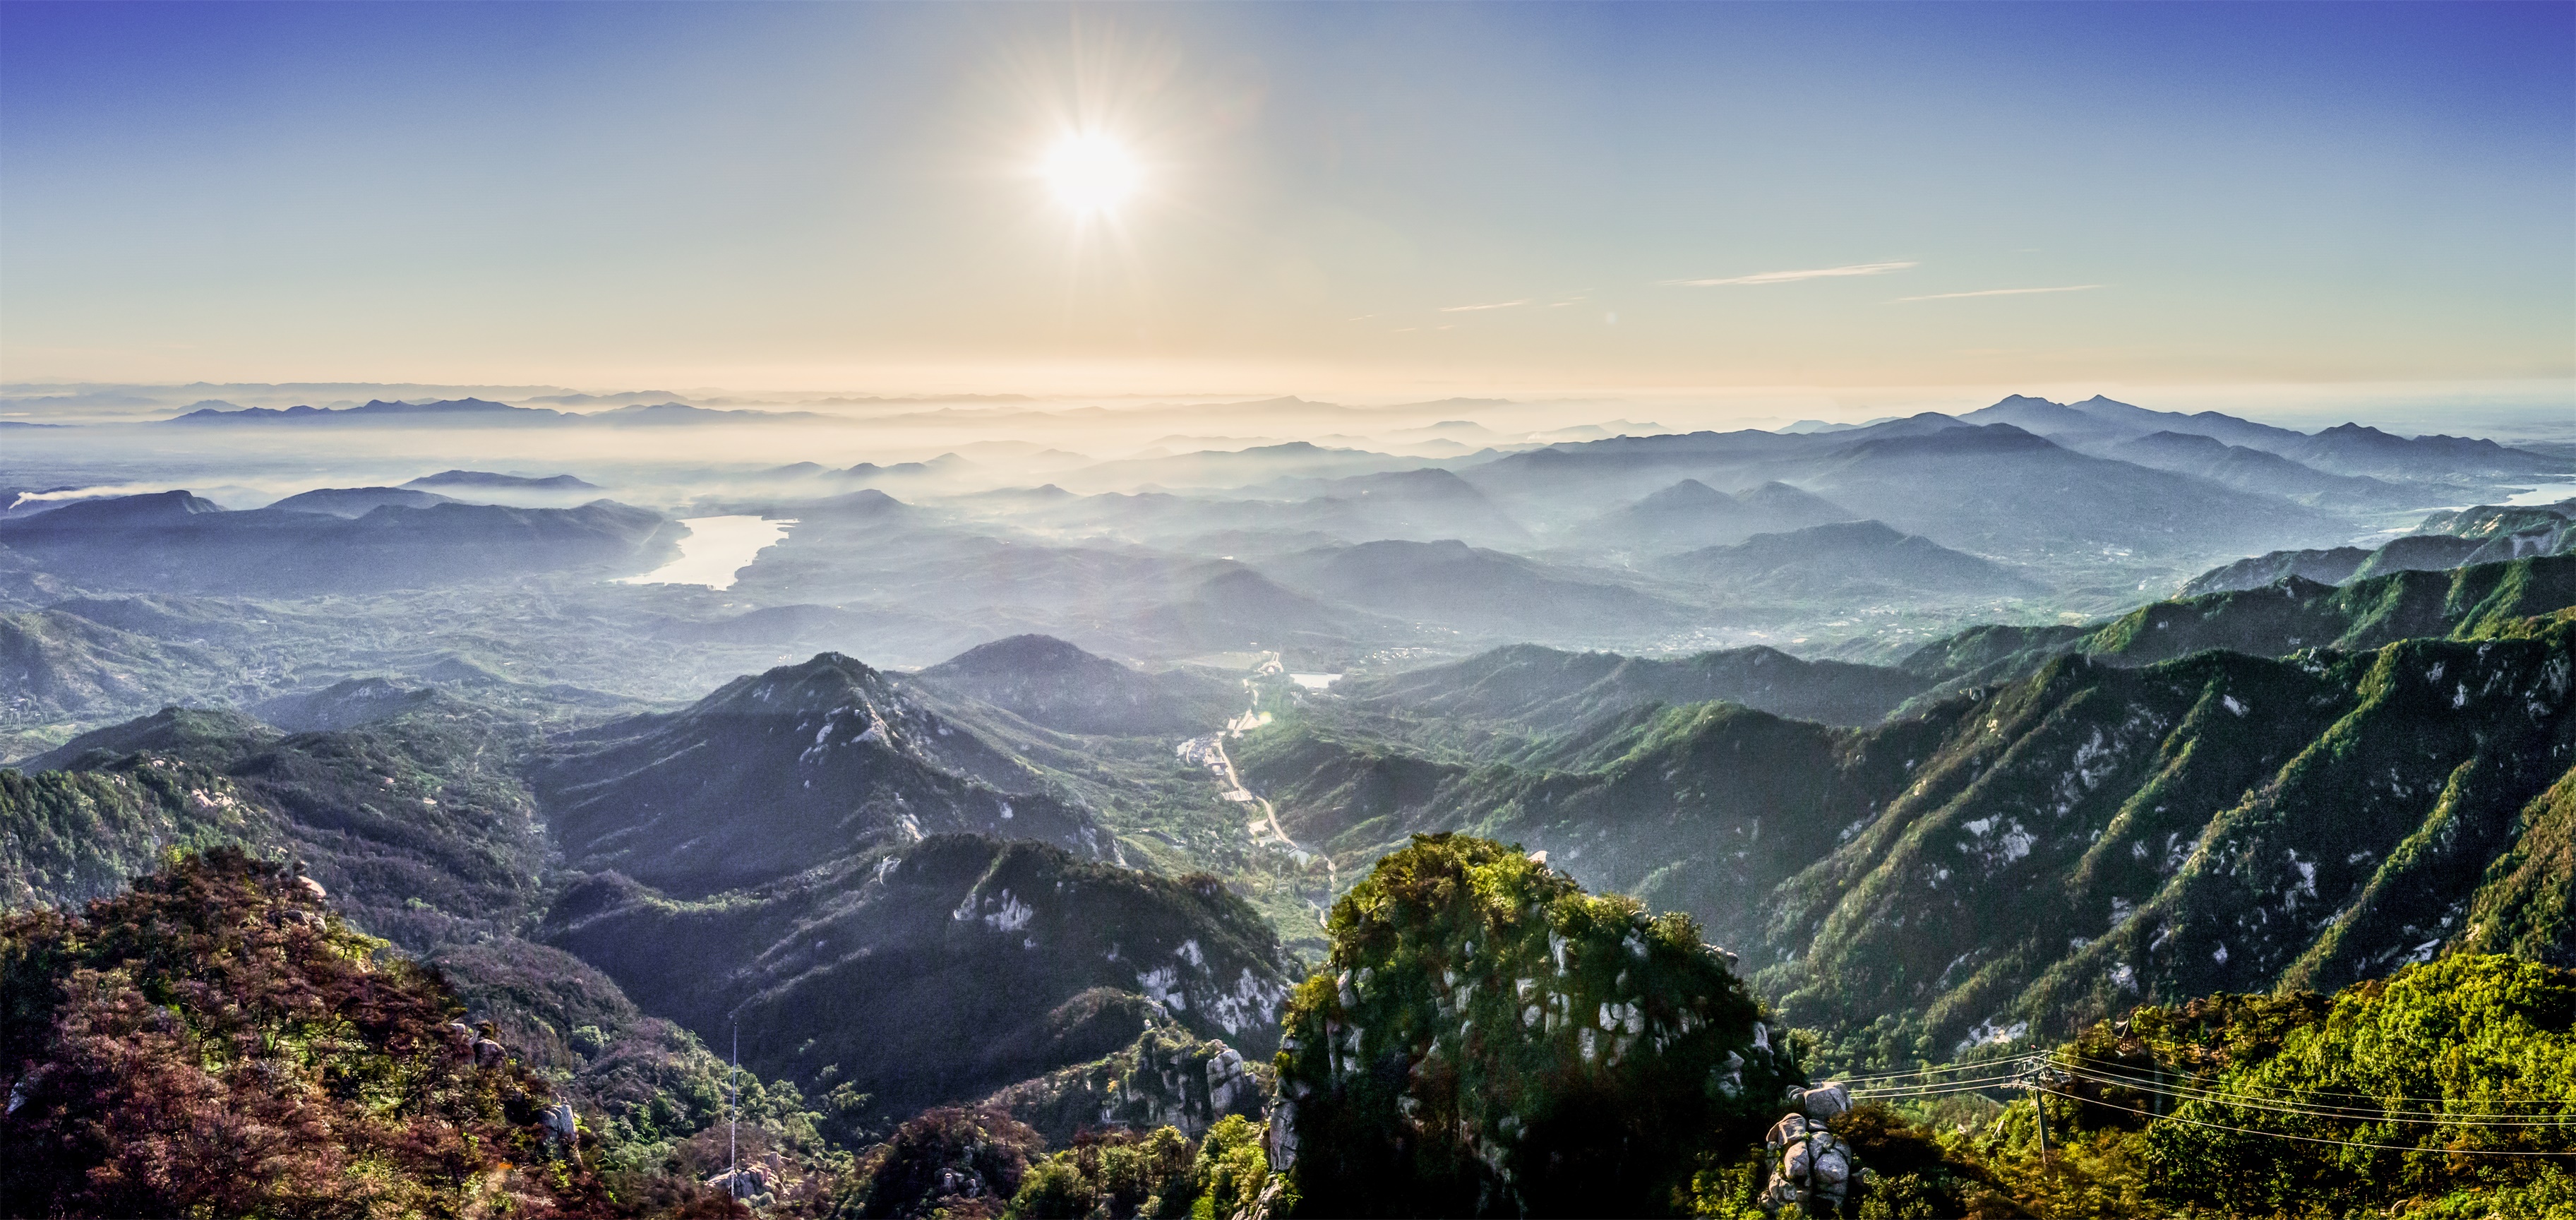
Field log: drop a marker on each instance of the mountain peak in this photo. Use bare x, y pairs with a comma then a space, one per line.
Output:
150, 508
1019, 654
1689, 493
486, 478
829, 680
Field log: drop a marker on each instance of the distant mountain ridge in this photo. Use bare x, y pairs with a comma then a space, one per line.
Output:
485, 478
2451, 539
372, 410
1692, 514
1550, 689
357, 501
177, 542
1477, 590
2348, 449
1994, 489
483, 413
1055, 684
1842, 559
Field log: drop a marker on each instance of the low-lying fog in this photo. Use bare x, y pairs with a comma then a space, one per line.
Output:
650, 545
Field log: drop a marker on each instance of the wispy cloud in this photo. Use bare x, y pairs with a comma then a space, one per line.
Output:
1791, 277
1998, 292
1495, 305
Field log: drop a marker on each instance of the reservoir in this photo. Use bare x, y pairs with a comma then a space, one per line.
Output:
716, 548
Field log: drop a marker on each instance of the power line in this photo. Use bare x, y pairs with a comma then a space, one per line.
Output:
2115, 1065
2257, 1102
1936, 1069
2000, 1080
2305, 1139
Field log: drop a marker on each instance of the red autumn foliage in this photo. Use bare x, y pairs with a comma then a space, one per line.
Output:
214, 1043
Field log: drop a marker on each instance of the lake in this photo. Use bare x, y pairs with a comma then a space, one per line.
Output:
716, 549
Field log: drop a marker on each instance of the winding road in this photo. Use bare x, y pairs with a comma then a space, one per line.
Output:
1210, 752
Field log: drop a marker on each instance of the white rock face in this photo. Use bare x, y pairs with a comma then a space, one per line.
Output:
1228, 1081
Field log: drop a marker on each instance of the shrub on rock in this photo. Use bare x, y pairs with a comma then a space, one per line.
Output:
1488, 1039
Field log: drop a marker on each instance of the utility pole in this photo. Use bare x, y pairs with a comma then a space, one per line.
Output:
733, 1115
2039, 1106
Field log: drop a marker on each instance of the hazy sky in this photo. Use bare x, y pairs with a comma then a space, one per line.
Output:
1331, 196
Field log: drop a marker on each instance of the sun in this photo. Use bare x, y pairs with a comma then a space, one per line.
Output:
1089, 173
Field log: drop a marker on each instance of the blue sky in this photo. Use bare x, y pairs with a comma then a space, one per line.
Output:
845, 195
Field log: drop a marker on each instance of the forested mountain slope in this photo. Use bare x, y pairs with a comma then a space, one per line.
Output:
1532, 688
2290, 614
2091, 835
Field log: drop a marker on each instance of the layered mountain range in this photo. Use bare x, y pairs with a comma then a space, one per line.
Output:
1043, 797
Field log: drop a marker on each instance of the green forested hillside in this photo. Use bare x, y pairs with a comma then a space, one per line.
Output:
70, 836
2444, 1090
2461, 603
2042, 851
1527, 689
2201, 797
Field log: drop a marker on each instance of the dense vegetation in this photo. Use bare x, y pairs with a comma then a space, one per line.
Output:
2024, 858
77, 835
2447, 1089
2104, 817
1486, 1038
216, 1043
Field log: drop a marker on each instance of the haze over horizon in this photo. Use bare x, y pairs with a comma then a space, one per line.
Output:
1767, 211
636, 610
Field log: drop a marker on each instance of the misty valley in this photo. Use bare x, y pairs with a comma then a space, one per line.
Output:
1173, 827
1256, 808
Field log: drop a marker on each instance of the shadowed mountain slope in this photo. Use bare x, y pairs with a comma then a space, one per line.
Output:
779, 772
844, 966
